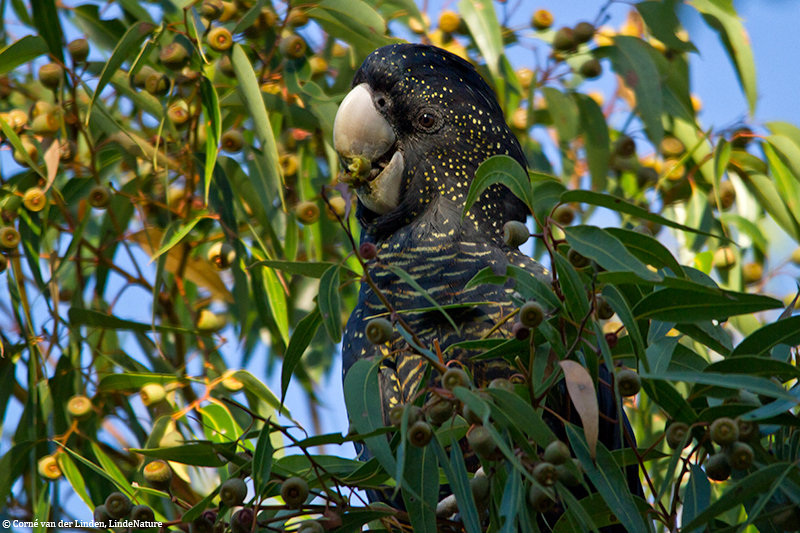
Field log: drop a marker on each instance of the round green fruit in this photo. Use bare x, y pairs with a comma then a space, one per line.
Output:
717, 467
546, 474
564, 215
676, 433
420, 434
564, 40
233, 492
99, 196
740, 455
78, 50
539, 500
481, 442
583, 32
152, 393
9, 238
454, 377
220, 39
48, 467
307, 212
143, 513
515, 233
79, 407
542, 19
212, 9
293, 47
34, 199
118, 505
628, 382
591, 69
557, 452
50, 75
221, 255
232, 141
294, 492
242, 520
439, 411
174, 56
625, 146
379, 331
158, 474
577, 260
501, 384
724, 431
531, 314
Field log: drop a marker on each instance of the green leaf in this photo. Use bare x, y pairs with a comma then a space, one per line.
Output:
680, 305
785, 180
663, 23
362, 396
130, 381
312, 270
597, 511
750, 486
530, 286
525, 417
609, 480
768, 197
621, 306
596, 140
721, 16
455, 470
572, 286
257, 387
218, 423
277, 301
75, 478
481, 19
352, 21
213, 123
632, 61
753, 384
271, 177
301, 338
647, 249
564, 112
755, 366
111, 468
761, 341
22, 51
15, 141
622, 206
127, 46
607, 251
85, 317
330, 305
195, 454
421, 463
504, 170
546, 196
486, 276
45, 18
174, 237
405, 276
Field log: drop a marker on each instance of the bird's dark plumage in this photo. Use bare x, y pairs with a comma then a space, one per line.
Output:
445, 121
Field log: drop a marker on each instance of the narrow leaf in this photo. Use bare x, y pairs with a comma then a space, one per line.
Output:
330, 303
128, 45
301, 338
607, 251
504, 170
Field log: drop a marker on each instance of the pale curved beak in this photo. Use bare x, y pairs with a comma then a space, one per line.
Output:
366, 144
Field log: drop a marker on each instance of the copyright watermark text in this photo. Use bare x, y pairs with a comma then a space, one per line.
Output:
82, 524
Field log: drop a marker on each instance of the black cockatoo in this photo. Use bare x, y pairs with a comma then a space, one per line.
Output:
410, 135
